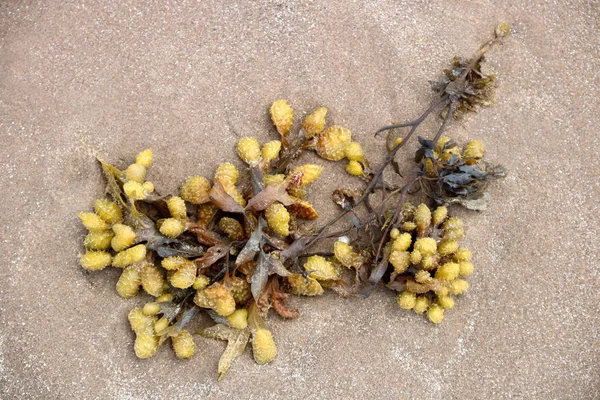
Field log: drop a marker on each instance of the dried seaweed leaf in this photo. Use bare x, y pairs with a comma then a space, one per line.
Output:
255, 321
206, 236
252, 246
114, 178
246, 268
275, 242
179, 248
266, 265
270, 195
259, 277
279, 303
171, 310
378, 272
263, 304
223, 200
213, 254
168, 308
257, 177
237, 340
146, 231
295, 249
185, 319
275, 265
235, 347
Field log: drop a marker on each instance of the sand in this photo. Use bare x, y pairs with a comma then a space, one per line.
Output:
188, 79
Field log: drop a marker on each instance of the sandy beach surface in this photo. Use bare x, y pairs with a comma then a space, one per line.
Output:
80, 79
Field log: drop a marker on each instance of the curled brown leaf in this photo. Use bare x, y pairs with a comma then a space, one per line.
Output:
206, 236
223, 200
213, 254
270, 195
279, 303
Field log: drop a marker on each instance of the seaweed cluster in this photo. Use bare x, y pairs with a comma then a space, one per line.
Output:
233, 247
428, 263
224, 247
450, 175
